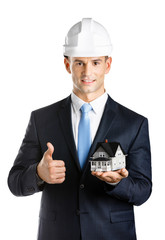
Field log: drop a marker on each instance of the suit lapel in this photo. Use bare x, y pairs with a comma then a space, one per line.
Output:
105, 125
66, 125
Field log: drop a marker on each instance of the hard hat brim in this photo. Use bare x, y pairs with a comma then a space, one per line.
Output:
98, 51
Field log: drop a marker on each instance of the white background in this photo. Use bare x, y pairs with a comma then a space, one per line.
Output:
32, 75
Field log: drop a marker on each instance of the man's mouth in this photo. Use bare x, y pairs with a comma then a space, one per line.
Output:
87, 80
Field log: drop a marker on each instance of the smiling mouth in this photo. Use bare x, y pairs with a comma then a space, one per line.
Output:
87, 81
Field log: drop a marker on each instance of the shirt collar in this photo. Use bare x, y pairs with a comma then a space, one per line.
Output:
76, 102
98, 104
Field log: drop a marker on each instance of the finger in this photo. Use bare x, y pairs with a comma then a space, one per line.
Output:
60, 180
97, 174
111, 177
116, 175
59, 163
60, 169
54, 170
56, 163
105, 179
50, 150
60, 175
124, 173
56, 180
54, 176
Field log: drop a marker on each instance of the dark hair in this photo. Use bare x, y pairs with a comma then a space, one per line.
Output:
106, 57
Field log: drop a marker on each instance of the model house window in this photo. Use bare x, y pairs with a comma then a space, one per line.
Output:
101, 154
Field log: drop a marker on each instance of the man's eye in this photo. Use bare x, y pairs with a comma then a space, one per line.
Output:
96, 63
80, 64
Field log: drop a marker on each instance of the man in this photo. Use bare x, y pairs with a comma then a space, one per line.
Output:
54, 156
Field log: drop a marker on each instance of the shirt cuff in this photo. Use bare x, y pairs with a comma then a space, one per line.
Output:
113, 184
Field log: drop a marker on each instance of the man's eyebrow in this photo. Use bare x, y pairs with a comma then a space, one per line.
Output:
97, 60
93, 60
77, 60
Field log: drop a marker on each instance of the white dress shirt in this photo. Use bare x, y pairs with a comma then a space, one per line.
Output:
95, 114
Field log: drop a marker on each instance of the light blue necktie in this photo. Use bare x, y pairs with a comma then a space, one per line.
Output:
84, 135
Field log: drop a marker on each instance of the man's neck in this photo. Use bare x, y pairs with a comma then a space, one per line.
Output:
89, 97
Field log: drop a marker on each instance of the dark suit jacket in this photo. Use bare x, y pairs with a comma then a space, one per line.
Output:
84, 204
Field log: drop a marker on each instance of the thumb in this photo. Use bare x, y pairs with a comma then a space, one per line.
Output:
124, 172
50, 149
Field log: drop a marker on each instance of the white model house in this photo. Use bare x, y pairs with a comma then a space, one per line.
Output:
108, 156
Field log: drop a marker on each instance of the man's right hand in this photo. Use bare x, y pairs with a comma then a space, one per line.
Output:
49, 170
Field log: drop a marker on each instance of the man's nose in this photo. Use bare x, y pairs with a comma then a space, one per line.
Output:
87, 70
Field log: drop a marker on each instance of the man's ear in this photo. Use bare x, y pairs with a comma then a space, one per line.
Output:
67, 64
108, 65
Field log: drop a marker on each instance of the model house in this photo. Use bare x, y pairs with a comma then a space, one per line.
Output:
108, 156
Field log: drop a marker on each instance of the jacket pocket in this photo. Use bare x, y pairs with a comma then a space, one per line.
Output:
47, 215
121, 216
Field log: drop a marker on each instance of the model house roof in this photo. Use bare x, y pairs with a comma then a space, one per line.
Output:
109, 147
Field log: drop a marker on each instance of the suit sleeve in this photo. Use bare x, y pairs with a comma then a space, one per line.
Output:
136, 188
22, 179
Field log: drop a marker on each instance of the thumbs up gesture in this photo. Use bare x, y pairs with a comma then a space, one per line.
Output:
49, 170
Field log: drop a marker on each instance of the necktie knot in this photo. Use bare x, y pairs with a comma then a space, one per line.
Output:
86, 107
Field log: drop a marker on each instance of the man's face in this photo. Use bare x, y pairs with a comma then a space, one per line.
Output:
88, 74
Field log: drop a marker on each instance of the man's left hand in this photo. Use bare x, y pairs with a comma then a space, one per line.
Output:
111, 176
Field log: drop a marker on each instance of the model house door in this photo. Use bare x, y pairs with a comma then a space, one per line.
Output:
99, 165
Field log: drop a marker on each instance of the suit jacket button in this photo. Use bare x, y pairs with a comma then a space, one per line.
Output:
82, 186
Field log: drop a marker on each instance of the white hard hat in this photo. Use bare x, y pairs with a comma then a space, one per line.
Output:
87, 39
